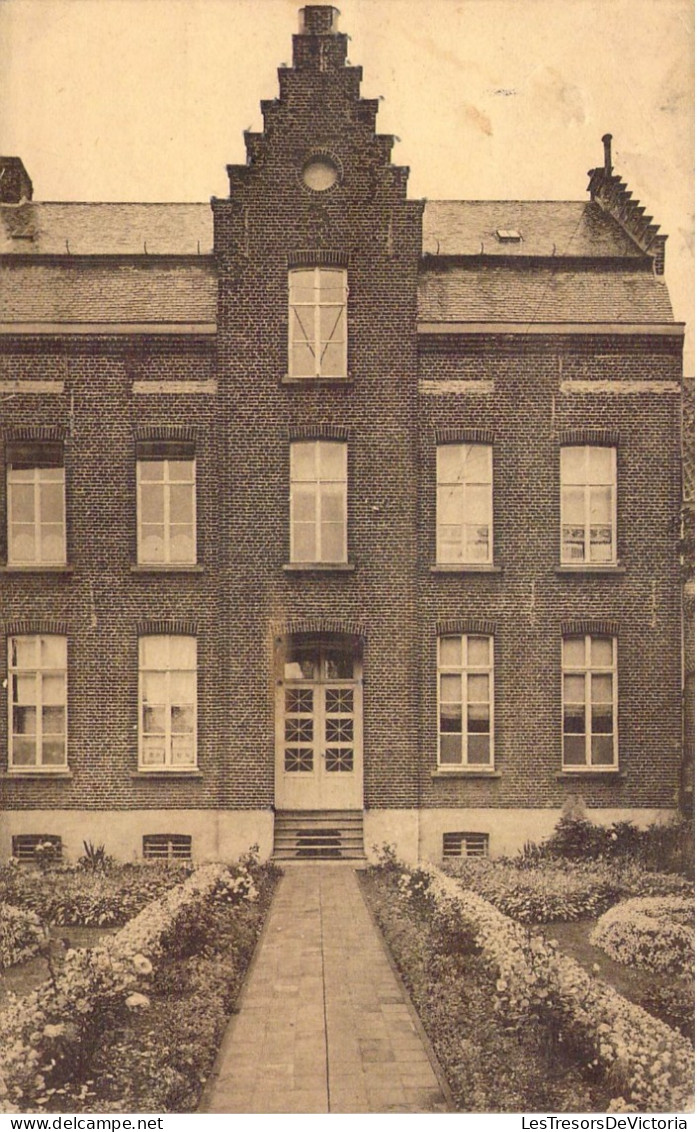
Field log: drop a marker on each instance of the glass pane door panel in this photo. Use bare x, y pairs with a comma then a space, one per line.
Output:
298, 759
338, 759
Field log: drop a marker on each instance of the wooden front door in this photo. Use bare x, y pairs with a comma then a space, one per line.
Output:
319, 762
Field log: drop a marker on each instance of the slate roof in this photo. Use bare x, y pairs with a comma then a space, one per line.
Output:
547, 227
45, 228
450, 227
496, 293
108, 292
530, 281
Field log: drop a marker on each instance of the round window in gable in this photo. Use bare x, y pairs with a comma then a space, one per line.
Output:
320, 173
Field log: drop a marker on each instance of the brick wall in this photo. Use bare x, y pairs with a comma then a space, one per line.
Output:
243, 601
527, 601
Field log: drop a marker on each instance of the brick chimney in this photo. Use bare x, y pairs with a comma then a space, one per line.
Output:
15, 183
612, 195
320, 46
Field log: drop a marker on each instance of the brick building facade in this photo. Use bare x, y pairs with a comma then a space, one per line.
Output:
333, 517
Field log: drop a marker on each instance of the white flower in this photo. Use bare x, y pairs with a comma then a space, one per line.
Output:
137, 1001
54, 1031
142, 964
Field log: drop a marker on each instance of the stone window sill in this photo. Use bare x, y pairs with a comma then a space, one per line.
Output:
36, 569
466, 772
466, 568
590, 568
319, 567
33, 772
591, 772
166, 773
165, 568
288, 379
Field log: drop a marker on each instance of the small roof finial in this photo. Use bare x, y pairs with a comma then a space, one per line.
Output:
607, 143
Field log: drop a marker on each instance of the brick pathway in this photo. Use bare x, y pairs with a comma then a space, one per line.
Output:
324, 1024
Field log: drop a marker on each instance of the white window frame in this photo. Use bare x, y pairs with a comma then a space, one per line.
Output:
588, 670
167, 483
318, 304
463, 670
167, 672
587, 485
461, 486
319, 484
39, 672
38, 477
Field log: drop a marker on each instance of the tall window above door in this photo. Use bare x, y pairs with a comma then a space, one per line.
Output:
35, 504
588, 504
317, 322
318, 501
166, 487
464, 504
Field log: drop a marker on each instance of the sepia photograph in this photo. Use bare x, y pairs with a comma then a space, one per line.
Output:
347, 562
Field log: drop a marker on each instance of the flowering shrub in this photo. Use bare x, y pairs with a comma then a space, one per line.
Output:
72, 896
655, 932
45, 1036
21, 935
559, 890
674, 1003
650, 1065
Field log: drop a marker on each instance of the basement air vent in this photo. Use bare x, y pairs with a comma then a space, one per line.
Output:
509, 235
465, 844
24, 846
166, 847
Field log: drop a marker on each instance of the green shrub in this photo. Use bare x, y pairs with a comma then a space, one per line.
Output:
661, 847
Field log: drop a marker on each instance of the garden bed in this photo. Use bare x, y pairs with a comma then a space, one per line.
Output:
489, 1066
457, 952
68, 895
563, 898
135, 1024
547, 891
